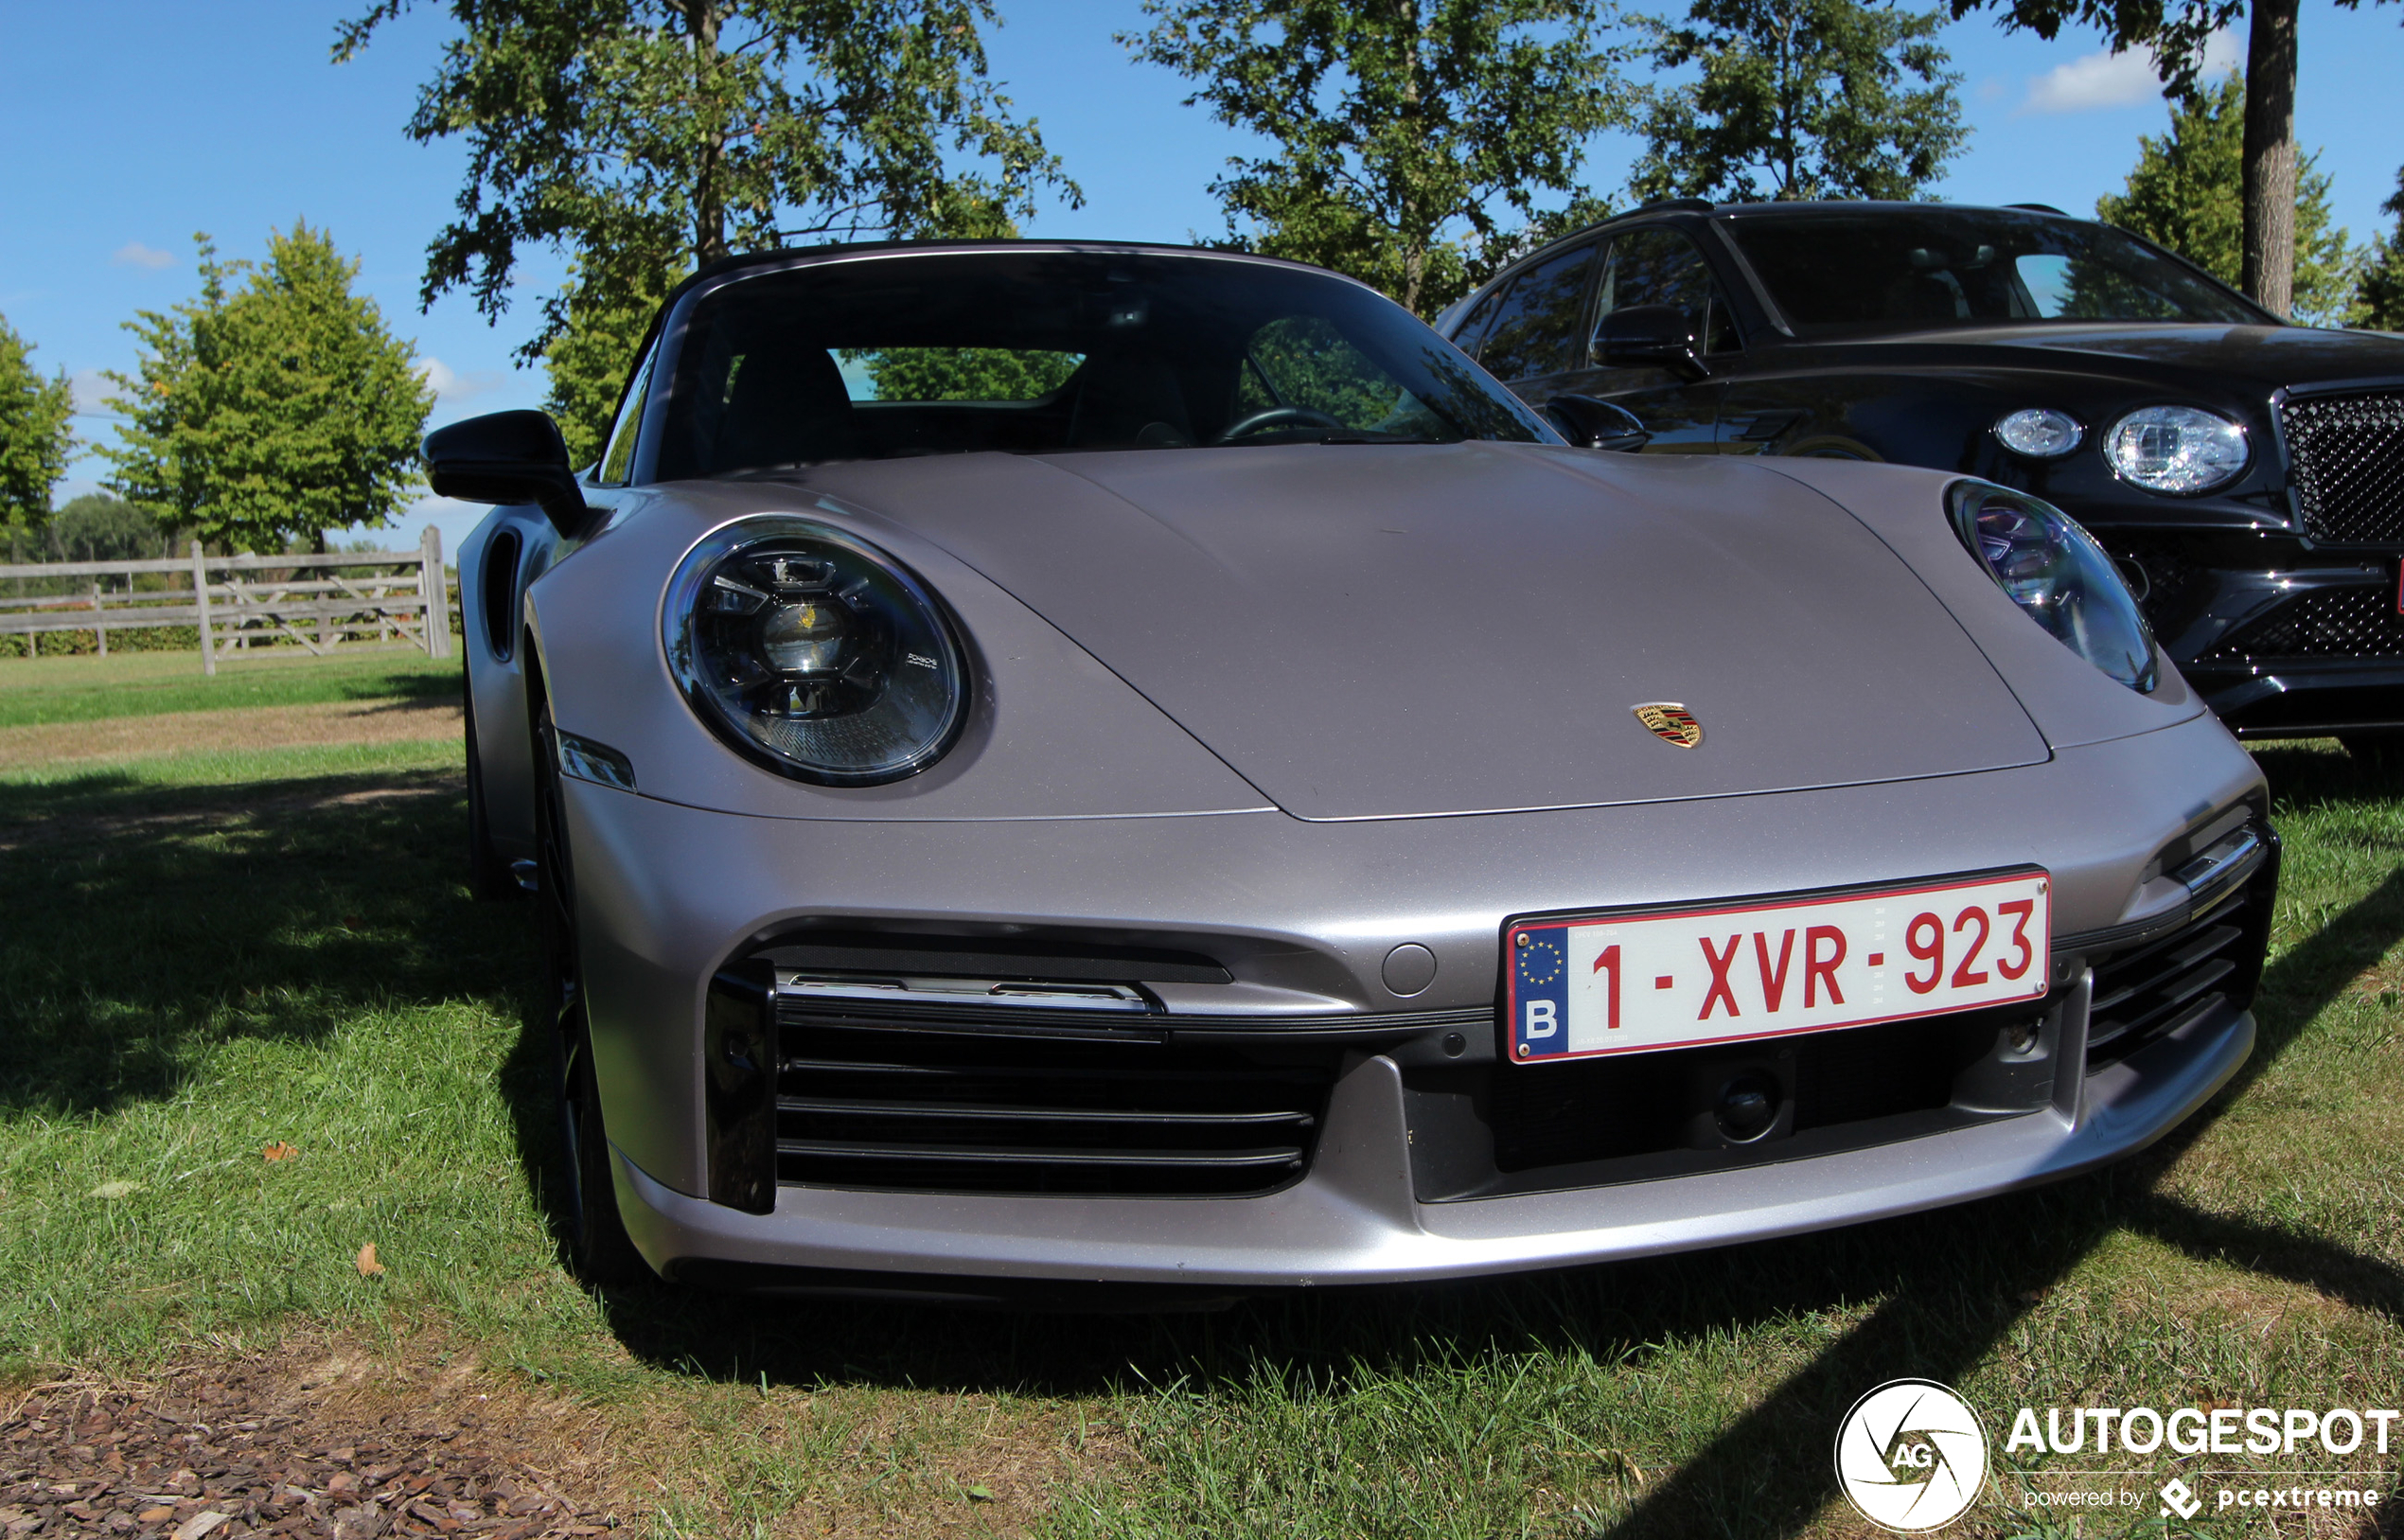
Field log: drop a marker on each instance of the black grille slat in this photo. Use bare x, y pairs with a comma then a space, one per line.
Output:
2347, 453
2142, 993
2323, 623
954, 1106
1284, 1158
839, 1107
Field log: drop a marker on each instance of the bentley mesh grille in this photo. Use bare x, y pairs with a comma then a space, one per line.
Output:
2211, 963
2348, 461
948, 1107
2327, 622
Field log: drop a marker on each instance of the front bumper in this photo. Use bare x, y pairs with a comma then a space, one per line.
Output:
1306, 912
1354, 1219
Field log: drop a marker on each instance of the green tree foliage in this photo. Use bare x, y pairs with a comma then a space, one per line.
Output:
270, 413
2184, 193
1799, 98
589, 357
966, 374
97, 527
646, 138
35, 437
1401, 126
2378, 301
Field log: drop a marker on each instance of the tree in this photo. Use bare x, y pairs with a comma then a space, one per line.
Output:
591, 353
646, 137
35, 438
2183, 194
965, 374
1400, 124
2378, 301
2175, 32
97, 527
274, 413
1799, 98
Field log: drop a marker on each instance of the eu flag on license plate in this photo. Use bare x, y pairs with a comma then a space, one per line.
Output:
1540, 990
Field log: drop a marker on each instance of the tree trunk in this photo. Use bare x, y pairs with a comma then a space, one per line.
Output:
709, 197
2270, 156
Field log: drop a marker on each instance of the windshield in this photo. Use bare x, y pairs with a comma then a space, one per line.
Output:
1040, 352
1907, 268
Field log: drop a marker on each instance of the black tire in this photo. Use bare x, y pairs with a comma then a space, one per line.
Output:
599, 1248
490, 879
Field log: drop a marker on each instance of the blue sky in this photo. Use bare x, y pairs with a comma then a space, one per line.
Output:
127, 127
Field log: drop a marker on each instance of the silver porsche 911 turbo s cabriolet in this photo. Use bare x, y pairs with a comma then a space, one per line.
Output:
1047, 765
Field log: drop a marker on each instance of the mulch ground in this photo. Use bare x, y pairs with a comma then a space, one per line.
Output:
256, 1450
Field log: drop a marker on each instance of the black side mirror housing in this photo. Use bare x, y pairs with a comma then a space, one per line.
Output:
508, 457
1663, 335
1597, 425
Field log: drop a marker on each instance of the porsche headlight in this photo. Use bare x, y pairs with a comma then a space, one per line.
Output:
813, 653
2176, 449
2058, 575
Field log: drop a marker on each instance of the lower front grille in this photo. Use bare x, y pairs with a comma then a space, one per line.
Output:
930, 1110
1645, 1103
2348, 458
2210, 964
2327, 622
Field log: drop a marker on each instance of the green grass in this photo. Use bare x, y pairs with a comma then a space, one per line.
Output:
86, 689
204, 955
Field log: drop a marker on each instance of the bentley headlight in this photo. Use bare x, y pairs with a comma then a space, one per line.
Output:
813, 653
2039, 432
2058, 575
2176, 449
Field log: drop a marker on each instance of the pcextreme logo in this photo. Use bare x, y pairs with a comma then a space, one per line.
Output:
1911, 1456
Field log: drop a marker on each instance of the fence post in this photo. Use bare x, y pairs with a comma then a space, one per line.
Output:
436, 590
199, 596
99, 632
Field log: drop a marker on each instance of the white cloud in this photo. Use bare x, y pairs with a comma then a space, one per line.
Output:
91, 393
133, 254
2101, 80
451, 385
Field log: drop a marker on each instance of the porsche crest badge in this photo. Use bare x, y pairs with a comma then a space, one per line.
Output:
1671, 722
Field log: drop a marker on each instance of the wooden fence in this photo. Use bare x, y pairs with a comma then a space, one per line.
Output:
239, 602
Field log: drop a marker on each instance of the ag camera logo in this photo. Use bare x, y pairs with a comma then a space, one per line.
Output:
1911, 1456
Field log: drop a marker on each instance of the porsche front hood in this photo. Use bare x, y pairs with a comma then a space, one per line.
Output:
1395, 631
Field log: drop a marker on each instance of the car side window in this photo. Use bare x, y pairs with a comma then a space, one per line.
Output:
1471, 329
1536, 325
617, 460
1659, 266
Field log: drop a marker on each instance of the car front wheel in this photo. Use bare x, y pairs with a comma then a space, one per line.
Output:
598, 1246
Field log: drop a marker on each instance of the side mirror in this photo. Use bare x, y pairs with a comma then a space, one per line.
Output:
1662, 335
1597, 425
508, 457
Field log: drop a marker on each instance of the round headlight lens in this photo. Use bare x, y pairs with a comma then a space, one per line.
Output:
813, 653
2039, 432
2059, 576
2177, 449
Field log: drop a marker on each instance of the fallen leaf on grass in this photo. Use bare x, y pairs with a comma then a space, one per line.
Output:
368, 1266
279, 1151
117, 1189
981, 1494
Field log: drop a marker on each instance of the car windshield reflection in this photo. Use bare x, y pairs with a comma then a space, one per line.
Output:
1906, 270
1045, 352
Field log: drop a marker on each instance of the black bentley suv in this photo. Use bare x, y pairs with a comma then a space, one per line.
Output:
2247, 474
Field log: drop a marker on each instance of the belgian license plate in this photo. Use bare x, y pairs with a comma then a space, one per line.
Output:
1638, 983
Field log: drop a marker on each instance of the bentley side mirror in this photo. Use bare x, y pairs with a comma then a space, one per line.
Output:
1662, 335
1597, 425
508, 457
